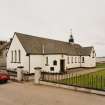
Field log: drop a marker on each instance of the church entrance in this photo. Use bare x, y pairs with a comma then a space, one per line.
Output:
62, 66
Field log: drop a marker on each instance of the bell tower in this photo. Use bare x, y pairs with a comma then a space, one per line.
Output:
71, 39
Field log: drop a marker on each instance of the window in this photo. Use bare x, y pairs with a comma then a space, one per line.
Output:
11, 56
46, 61
83, 59
72, 60
19, 56
68, 60
55, 62
93, 54
75, 59
79, 59
15, 56
52, 68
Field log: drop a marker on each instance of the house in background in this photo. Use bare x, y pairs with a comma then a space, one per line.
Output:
51, 55
4, 46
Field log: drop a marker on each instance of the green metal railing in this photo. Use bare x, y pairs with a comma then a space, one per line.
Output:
90, 81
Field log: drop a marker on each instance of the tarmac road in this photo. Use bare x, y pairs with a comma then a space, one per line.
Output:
14, 93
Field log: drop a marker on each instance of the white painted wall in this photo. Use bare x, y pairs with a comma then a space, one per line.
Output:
51, 58
89, 61
74, 64
16, 45
40, 61
35, 61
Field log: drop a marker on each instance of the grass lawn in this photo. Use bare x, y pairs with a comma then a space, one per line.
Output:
100, 65
94, 80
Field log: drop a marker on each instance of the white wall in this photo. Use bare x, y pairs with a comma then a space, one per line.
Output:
89, 60
74, 64
35, 61
40, 61
51, 58
16, 45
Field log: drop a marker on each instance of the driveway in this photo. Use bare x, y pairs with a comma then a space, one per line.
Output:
14, 93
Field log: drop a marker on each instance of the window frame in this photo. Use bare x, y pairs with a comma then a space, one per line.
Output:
15, 56
93, 54
12, 52
19, 55
72, 59
75, 59
83, 59
47, 60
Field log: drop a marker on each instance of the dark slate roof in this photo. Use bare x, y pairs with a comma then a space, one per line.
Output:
35, 45
86, 51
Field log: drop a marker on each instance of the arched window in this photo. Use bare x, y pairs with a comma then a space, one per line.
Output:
72, 60
19, 52
46, 61
55, 62
78, 59
93, 54
15, 56
11, 56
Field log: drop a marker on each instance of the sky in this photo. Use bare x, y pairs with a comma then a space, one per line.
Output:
54, 18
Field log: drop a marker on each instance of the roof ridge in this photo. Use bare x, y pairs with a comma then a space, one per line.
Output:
33, 45
46, 38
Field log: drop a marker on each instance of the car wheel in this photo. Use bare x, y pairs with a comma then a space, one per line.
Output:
5, 81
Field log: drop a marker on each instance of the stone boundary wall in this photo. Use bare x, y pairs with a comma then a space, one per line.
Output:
97, 92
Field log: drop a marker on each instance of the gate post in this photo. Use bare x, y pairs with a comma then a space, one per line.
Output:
20, 73
37, 75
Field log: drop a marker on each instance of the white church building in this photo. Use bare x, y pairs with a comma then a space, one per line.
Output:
51, 55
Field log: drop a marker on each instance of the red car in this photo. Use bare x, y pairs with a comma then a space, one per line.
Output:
4, 77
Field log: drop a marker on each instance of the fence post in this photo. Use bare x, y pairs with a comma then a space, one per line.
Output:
20, 73
37, 75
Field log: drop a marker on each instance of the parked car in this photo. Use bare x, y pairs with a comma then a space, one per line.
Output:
4, 77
